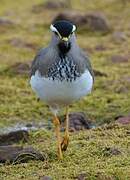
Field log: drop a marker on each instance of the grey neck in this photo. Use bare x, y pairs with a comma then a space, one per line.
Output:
72, 43
64, 67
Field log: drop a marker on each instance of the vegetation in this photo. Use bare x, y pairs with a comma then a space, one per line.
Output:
90, 152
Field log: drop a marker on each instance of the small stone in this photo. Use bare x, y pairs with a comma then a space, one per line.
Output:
107, 151
29, 125
51, 5
127, 79
72, 129
115, 151
98, 22
14, 137
5, 22
92, 21
18, 154
119, 36
16, 42
119, 59
78, 127
82, 176
20, 68
122, 89
100, 47
123, 120
77, 121
46, 178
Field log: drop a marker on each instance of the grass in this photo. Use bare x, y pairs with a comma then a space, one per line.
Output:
89, 153
109, 99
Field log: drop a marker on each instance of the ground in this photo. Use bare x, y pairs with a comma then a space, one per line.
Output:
89, 150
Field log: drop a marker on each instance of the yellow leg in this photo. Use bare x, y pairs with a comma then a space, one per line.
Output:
57, 129
65, 141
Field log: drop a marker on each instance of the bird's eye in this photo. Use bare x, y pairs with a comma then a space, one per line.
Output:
56, 33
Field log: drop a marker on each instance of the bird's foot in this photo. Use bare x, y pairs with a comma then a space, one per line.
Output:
65, 142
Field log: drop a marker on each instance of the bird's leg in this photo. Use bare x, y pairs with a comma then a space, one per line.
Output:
57, 129
65, 141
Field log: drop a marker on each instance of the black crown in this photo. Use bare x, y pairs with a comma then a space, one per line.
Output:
64, 27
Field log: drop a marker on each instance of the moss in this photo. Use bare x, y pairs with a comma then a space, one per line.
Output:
86, 154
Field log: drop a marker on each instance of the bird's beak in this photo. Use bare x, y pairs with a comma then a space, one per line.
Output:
64, 44
65, 39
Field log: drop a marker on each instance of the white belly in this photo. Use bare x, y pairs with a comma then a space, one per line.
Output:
56, 93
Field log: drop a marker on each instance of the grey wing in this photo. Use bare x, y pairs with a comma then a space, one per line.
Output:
37, 61
88, 64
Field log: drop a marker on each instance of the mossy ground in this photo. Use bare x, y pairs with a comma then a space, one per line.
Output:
88, 153
109, 99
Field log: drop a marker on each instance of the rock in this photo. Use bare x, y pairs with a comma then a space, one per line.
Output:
122, 89
108, 151
127, 79
5, 22
46, 178
97, 22
16, 42
29, 125
77, 121
19, 68
18, 154
82, 176
117, 117
119, 59
119, 36
100, 47
92, 21
73, 16
99, 73
52, 5
14, 137
114, 151
123, 120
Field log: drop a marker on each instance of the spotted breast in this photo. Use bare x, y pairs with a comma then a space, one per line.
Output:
63, 85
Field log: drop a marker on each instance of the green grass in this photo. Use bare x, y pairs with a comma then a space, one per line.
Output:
88, 153
107, 101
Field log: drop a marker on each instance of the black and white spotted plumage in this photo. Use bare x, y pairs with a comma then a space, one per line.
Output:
63, 69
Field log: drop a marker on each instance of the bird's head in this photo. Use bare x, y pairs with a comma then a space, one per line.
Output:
63, 34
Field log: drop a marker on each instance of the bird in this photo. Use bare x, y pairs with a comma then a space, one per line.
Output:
61, 74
